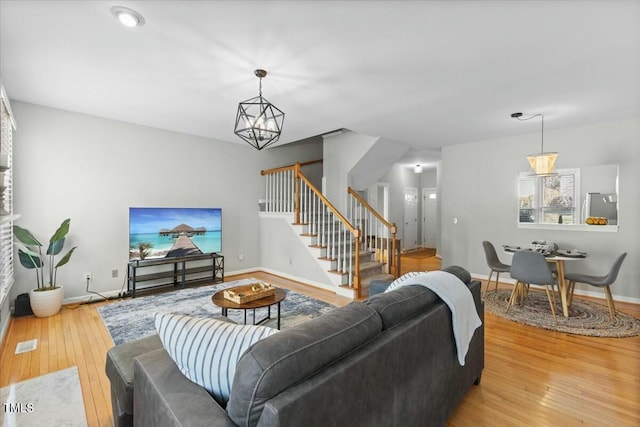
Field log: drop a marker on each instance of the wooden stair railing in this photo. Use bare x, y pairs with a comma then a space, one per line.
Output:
378, 234
289, 190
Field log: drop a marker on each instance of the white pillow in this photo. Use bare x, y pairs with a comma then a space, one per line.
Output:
207, 350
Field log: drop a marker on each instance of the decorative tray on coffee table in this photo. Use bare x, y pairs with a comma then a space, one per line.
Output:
251, 292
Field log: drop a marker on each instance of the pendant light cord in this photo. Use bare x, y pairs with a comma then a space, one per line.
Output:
542, 136
522, 119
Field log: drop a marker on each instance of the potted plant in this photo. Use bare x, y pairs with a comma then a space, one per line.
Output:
46, 299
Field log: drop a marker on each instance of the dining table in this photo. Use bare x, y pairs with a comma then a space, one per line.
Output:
559, 257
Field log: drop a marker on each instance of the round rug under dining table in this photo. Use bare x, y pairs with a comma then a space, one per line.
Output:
585, 317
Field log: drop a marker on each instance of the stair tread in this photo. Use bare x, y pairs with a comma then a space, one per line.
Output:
382, 276
371, 265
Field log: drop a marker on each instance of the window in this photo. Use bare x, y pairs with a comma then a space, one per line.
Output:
7, 125
549, 199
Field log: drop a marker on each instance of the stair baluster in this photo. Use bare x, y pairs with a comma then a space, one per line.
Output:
289, 190
379, 234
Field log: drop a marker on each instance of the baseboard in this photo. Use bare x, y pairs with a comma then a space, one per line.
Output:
591, 294
297, 279
88, 298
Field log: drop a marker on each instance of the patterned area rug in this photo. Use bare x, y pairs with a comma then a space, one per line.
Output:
53, 399
132, 319
585, 317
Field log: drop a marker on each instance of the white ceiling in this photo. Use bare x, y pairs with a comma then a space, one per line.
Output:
424, 73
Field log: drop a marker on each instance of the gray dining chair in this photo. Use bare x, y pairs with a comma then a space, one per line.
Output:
530, 268
597, 281
494, 264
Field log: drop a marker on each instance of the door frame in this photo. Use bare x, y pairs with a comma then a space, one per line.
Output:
405, 245
424, 215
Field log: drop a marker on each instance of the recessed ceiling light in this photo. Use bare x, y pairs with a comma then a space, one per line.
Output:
127, 17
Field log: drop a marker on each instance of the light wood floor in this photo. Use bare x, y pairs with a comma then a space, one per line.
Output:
419, 264
532, 377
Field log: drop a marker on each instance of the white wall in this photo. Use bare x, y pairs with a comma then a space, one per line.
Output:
373, 164
399, 177
89, 169
340, 153
478, 187
294, 258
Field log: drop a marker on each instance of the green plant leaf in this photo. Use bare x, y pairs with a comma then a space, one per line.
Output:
25, 236
61, 231
55, 247
29, 259
66, 257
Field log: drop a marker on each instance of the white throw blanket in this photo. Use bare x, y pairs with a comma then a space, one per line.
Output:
456, 295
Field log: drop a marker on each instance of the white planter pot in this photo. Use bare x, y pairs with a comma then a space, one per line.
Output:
46, 303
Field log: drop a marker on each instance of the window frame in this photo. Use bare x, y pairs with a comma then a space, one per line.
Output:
537, 205
7, 126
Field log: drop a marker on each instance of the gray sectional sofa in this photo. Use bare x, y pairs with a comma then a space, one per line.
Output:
388, 361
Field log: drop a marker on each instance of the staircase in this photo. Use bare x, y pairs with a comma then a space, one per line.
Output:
353, 248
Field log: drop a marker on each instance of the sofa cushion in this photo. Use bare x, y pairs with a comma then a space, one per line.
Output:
460, 272
379, 286
276, 363
402, 303
207, 350
119, 368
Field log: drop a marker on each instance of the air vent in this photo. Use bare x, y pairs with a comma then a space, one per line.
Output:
26, 346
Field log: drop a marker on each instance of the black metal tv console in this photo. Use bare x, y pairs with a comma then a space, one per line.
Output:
175, 271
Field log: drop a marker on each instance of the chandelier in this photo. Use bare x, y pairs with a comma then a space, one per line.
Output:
258, 121
542, 163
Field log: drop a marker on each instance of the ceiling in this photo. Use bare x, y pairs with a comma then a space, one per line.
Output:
424, 73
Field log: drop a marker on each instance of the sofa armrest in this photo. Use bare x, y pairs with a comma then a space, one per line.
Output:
163, 396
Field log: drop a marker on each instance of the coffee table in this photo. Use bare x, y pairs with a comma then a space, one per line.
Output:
275, 299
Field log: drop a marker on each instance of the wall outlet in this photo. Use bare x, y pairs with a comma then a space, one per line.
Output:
114, 273
87, 276
240, 257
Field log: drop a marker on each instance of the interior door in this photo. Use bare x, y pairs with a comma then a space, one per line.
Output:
410, 240
429, 217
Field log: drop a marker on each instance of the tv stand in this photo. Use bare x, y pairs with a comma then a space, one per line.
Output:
175, 271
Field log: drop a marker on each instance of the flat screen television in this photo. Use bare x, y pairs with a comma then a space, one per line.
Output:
174, 232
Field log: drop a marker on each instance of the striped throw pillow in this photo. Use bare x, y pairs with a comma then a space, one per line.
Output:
207, 350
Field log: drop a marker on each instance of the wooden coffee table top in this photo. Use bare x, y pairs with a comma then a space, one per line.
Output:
219, 300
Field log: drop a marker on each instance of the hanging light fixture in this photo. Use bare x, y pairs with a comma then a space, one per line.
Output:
542, 163
417, 169
258, 121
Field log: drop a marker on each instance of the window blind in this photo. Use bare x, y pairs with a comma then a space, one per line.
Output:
7, 126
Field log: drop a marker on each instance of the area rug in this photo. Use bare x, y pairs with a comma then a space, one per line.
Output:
53, 399
132, 319
585, 317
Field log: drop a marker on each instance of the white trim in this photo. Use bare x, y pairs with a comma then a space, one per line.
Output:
570, 227
295, 278
575, 172
337, 290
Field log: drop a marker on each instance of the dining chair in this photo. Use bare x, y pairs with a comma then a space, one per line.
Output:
597, 281
530, 268
494, 264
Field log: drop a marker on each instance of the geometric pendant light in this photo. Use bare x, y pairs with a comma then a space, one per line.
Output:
542, 163
259, 122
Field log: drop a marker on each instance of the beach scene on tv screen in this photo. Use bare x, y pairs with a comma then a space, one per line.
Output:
174, 232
